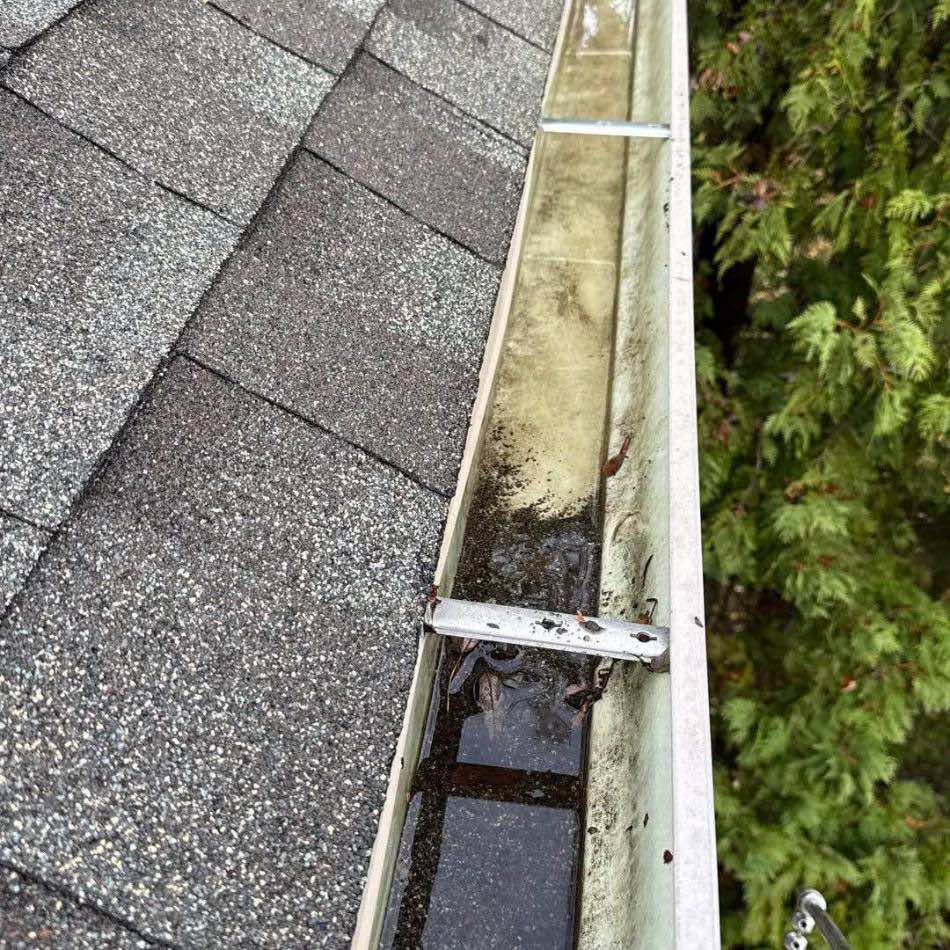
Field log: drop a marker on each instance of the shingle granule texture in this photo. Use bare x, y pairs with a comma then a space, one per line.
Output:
536, 20
180, 91
479, 67
31, 916
202, 686
98, 272
324, 31
444, 168
346, 310
20, 545
21, 20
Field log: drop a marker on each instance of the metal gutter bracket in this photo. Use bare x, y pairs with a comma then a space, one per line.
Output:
550, 630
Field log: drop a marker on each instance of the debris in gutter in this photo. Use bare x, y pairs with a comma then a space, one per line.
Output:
647, 617
590, 625
488, 698
612, 465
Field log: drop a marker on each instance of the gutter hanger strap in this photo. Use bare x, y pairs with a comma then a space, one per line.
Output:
598, 636
642, 130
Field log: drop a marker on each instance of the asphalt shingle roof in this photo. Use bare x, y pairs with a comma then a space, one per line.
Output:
224, 457
20, 546
99, 270
429, 158
324, 31
479, 67
179, 91
31, 916
205, 681
329, 268
21, 20
535, 20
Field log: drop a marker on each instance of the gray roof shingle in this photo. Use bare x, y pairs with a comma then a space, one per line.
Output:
34, 916
179, 91
20, 546
535, 20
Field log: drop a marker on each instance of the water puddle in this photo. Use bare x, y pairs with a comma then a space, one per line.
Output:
491, 846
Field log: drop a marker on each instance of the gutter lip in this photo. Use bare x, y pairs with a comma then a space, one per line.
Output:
695, 867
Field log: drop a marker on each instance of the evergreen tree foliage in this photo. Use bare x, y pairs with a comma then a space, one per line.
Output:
821, 199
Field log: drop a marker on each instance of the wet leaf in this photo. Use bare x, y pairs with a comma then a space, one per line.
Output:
647, 618
592, 626
489, 700
612, 465
462, 669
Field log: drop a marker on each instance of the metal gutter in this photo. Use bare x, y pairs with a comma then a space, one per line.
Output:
649, 861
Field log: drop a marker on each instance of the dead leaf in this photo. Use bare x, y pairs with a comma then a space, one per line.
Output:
647, 617
489, 700
592, 626
461, 670
612, 465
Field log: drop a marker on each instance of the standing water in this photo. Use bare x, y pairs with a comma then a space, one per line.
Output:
490, 849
